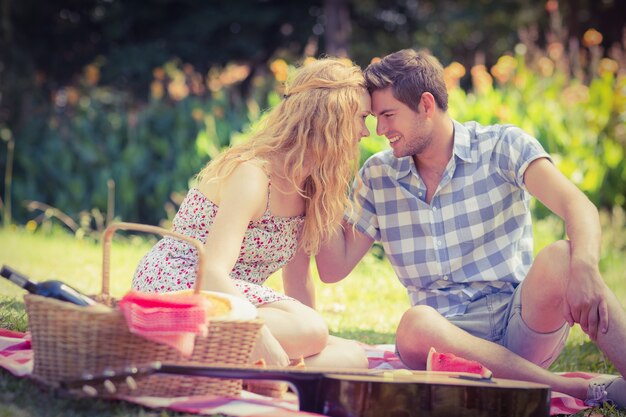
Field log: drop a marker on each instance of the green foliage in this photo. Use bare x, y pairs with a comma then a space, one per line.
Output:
13, 315
91, 137
580, 125
66, 156
373, 143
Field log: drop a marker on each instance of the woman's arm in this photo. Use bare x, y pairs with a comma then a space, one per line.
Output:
242, 198
297, 279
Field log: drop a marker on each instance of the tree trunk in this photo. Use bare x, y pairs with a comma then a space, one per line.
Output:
338, 28
6, 30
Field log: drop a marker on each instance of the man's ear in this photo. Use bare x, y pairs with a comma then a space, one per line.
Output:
428, 103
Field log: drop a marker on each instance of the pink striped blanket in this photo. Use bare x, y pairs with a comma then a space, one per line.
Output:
16, 356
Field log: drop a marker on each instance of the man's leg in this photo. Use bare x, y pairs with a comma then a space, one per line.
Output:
543, 296
422, 327
613, 342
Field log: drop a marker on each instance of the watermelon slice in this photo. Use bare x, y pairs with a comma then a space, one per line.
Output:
449, 362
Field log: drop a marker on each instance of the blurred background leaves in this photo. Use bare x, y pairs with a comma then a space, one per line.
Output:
108, 108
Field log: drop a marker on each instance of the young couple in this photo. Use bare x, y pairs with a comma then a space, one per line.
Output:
449, 202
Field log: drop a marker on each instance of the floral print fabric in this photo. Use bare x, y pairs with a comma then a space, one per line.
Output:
269, 243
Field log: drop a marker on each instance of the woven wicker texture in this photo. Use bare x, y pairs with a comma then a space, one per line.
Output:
69, 341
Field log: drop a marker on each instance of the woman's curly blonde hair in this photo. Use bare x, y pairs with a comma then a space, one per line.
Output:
314, 127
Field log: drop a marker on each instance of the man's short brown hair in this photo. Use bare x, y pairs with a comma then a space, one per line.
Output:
410, 74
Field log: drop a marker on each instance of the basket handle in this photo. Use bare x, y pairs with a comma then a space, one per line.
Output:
106, 249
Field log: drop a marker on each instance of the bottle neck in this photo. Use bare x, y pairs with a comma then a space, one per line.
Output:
18, 279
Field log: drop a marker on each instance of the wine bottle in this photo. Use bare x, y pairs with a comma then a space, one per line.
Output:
51, 288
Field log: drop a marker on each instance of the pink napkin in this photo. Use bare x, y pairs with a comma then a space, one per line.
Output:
172, 319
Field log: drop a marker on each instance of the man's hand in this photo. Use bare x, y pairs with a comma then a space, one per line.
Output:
585, 299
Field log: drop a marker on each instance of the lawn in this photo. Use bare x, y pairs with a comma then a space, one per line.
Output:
365, 306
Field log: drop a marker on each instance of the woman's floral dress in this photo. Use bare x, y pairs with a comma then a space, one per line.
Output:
269, 243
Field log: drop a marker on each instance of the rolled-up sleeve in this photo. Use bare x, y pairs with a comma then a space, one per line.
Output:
364, 216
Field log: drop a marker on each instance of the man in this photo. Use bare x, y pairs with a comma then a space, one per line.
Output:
450, 204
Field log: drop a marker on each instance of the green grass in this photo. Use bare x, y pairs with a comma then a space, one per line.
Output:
366, 306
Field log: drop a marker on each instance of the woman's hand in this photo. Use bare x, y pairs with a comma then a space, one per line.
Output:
269, 350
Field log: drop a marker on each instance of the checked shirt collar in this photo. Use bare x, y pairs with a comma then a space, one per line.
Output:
461, 149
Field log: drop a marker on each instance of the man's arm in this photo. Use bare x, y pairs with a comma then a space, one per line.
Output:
340, 254
585, 293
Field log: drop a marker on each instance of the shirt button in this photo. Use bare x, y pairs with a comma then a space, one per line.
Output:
439, 243
445, 277
434, 208
419, 193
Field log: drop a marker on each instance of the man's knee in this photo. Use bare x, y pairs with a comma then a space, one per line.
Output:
551, 268
555, 257
419, 317
559, 248
417, 329
417, 324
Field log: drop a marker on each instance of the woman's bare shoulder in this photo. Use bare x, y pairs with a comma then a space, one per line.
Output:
252, 171
248, 184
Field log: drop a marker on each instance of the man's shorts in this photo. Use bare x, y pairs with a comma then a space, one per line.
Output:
498, 318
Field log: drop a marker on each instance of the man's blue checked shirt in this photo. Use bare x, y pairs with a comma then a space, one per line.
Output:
475, 236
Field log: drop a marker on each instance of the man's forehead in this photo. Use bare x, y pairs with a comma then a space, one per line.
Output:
383, 101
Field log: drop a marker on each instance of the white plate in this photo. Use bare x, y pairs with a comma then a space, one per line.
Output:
241, 309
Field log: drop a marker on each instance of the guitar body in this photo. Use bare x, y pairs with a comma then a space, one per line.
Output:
375, 393
431, 396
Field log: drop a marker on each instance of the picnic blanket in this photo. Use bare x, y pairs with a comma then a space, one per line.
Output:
16, 356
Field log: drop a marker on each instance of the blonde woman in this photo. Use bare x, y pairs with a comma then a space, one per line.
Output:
268, 204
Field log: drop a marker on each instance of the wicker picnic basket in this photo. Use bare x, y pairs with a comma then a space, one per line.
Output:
70, 341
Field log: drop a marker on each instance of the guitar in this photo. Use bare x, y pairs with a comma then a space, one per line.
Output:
376, 393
